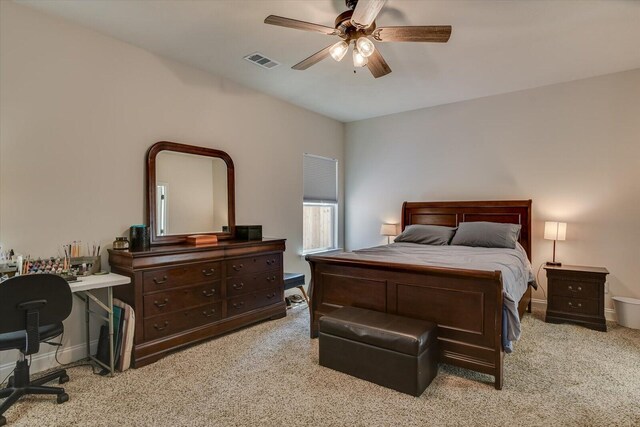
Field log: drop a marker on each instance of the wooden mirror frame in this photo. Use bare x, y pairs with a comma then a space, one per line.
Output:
153, 152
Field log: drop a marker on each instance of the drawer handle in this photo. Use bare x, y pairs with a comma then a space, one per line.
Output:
237, 267
213, 313
271, 278
238, 304
271, 261
578, 290
161, 328
161, 304
269, 296
238, 286
213, 291
210, 273
573, 306
161, 281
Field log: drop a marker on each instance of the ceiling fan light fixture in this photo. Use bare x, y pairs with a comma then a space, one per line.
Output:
339, 50
365, 46
359, 60
358, 25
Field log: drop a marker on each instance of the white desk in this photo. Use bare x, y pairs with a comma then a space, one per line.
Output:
83, 289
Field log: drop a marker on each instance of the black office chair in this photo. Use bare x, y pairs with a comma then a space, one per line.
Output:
32, 309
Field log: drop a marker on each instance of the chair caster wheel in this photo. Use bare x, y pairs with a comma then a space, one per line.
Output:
9, 384
63, 379
3, 421
64, 397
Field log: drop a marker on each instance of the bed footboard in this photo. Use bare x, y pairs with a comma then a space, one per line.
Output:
466, 304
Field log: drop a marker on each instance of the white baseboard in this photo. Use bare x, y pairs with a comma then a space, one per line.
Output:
43, 361
609, 313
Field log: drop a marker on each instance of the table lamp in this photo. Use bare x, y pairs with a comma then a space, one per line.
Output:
555, 231
389, 230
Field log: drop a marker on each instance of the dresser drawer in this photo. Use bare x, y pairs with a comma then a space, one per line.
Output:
574, 288
258, 299
252, 282
574, 305
180, 299
185, 275
254, 264
167, 324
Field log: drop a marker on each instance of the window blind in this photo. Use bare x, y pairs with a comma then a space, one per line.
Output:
320, 179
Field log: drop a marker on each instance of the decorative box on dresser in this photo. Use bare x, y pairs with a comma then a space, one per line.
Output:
182, 294
576, 295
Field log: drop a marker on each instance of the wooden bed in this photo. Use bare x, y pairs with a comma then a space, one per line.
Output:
466, 304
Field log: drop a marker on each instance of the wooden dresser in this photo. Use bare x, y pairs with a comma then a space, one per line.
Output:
576, 295
182, 294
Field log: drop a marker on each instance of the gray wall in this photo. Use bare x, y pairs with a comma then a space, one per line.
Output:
574, 148
78, 110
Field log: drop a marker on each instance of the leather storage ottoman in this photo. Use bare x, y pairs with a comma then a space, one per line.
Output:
391, 351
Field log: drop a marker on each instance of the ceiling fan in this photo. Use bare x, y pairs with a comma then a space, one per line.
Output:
357, 26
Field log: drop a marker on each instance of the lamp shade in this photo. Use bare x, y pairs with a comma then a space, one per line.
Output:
389, 230
555, 230
339, 50
365, 46
359, 60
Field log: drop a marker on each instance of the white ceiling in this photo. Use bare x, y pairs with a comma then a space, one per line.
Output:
495, 46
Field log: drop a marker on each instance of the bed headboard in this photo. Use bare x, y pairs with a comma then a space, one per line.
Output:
451, 214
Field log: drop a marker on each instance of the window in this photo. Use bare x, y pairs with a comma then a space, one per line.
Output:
320, 210
319, 227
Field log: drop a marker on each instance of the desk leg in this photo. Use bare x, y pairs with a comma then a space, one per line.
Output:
111, 350
304, 294
87, 315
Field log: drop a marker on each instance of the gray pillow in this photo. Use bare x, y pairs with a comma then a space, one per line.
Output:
427, 234
487, 234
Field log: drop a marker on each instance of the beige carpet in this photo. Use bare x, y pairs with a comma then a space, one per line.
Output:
269, 375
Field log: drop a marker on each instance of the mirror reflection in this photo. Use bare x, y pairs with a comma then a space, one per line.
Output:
191, 194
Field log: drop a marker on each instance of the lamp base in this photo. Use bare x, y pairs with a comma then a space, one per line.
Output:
554, 264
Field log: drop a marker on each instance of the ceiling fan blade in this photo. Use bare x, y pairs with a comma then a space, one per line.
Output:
366, 12
300, 25
313, 59
431, 33
377, 65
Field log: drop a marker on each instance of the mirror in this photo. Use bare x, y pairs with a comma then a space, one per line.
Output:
190, 192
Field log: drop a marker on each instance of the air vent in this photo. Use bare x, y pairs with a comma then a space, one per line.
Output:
261, 60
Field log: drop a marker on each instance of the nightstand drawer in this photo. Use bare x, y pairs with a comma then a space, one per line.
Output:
574, 288
574, 305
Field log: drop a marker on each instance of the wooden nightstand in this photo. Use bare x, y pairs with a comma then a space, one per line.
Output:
576, 295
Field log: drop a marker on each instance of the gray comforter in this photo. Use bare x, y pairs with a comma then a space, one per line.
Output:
513, 263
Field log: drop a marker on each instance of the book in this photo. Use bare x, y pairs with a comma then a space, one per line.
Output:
202, 239
128, 331
118, 319
102, 354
